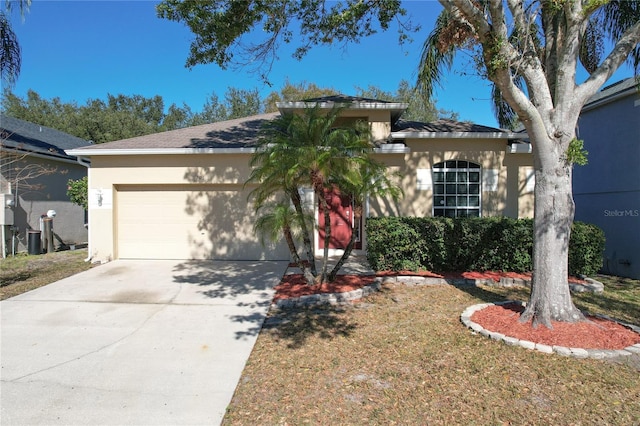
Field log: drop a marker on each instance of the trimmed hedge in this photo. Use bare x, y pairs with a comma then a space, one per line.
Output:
471, 244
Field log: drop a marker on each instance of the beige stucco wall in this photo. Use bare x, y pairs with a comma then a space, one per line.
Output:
511, 199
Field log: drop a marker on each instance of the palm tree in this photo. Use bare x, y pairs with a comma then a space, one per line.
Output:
10, 54
367, 178
281, 219
274, 170
530, 51
308, 150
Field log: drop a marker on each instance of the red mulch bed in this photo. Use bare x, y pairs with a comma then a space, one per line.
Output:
596, 333
294, 285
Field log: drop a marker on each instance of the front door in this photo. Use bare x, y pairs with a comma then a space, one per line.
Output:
341, 217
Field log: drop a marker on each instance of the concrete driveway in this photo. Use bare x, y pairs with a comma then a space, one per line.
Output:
133, 343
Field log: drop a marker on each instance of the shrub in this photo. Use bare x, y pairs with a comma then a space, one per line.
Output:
496, 243
77, 192
586, 248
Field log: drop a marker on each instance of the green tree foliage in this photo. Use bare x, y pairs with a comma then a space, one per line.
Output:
219, 27
121, 117
242, 103
237, 103
419, 107
77, 192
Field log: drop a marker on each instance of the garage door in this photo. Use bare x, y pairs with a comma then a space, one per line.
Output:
188, 222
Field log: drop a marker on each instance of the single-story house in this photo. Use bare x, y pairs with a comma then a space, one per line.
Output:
607, 189
34, 171
180, 194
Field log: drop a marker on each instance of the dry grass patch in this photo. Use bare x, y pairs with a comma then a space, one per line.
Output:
24, 273
402, 357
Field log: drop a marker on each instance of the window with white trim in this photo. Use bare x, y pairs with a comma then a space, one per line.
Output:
456, 189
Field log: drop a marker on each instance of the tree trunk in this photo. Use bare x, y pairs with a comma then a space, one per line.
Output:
324, 207
306, 271
347, 250
553, 215
306, 237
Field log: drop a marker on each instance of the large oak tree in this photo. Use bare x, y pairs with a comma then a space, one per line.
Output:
530, 50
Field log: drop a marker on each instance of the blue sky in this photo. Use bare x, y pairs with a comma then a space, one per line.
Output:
79, 50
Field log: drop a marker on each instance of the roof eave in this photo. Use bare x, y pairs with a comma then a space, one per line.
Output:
49, 156
392, 148
456, 135
351, 105
158, 151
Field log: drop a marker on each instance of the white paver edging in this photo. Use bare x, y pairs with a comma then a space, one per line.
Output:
465, 317
590, 285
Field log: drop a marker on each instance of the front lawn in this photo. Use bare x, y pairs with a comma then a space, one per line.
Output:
402, 356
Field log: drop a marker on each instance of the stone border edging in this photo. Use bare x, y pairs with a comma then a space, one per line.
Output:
591, 285
345, 297
328, 298
560, 350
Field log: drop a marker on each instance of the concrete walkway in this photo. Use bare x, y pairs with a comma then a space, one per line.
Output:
133, 343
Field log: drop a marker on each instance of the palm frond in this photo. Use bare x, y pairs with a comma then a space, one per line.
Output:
617, 17
438, 52
10, 53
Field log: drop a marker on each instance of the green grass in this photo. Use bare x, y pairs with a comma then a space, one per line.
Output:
23, 272
402, 357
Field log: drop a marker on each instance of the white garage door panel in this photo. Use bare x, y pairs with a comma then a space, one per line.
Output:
212, 223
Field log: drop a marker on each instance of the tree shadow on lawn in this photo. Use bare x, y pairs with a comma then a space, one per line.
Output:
297, 325
495, 294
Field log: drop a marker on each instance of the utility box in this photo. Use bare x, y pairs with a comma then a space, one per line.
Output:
7, 202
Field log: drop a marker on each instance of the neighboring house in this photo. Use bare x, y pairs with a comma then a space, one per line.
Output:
607, 189
181, 194
34, 170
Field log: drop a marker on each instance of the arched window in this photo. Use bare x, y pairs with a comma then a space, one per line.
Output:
456, 189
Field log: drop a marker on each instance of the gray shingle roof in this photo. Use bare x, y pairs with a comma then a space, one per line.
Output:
238, 133
31, 137
443, 126
244, 132
346, 99
629, 85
